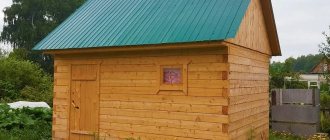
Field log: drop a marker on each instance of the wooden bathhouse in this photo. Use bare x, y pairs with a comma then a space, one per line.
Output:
163, 70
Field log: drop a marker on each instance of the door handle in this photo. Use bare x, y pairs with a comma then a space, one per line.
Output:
74, 105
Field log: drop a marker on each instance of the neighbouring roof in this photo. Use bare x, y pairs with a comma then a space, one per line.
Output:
322, 67
114, 23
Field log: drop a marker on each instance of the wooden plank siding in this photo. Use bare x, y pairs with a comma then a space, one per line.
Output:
248, 57
253, 33
225, 95
248, 94
61, 100
131, 104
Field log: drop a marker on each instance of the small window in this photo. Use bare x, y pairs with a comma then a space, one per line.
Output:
172, 76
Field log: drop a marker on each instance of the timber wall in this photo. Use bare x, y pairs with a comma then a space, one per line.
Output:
248, 94
249, 55
131, 104
225, 94
252, 32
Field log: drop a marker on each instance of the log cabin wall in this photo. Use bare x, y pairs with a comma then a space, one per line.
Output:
252, 32
248, 94
223, 92
61, 100
249, 56
132, 104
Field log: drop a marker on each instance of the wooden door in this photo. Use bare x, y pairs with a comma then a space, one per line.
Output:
84, 108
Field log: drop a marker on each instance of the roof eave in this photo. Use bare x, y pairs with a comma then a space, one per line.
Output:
203, 44
271, 27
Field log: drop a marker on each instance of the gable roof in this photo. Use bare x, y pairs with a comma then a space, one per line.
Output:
113, 23
321, 67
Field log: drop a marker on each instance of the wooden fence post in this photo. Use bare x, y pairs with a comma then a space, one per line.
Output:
274, 97
313, 96
281, 96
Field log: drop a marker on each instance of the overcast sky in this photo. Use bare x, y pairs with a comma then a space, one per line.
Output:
300, 24
3, 4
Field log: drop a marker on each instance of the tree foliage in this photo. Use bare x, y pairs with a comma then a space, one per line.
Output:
302, 64
29, 21
305, 63
324, 47
279, 71
23, 80
292, 67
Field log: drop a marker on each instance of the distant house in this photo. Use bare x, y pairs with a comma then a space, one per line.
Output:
322, 67
163, 70
315, 77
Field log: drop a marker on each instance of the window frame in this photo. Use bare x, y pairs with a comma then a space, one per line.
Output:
173, 89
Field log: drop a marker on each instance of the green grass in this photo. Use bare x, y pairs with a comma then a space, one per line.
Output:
287, 136
42, 132
283, 136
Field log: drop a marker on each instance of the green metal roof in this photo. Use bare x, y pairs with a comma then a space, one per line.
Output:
115, 23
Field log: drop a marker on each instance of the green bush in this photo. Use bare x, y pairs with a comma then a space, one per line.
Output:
23, 80
325, 116
325, 123
324, 87
296, 85
325, 100
26, 123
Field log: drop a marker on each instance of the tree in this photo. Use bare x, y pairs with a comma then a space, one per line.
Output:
23, 80
28, 21
324, 47
276, 75
305, 63
279, 71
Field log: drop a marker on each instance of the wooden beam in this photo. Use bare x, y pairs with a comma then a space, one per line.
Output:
208, 44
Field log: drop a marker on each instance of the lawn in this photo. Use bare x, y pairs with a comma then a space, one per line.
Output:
287, 136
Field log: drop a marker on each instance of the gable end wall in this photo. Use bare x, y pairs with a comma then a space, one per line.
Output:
252, 33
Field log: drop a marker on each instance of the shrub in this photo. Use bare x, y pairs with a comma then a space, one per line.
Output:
23, 80
26, 123
325, 100
325, 123
324, 87
296, 85
325, 116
